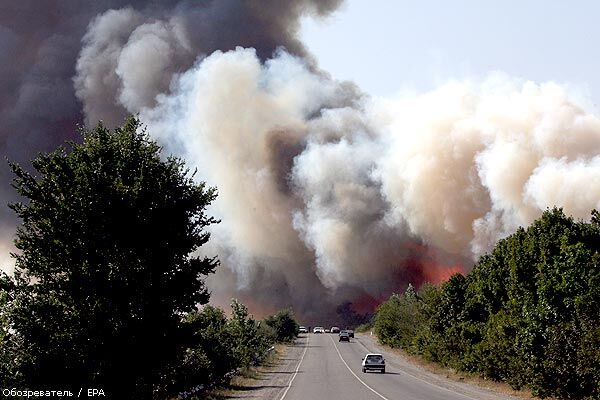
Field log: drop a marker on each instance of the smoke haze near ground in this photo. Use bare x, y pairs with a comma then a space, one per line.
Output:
325, 194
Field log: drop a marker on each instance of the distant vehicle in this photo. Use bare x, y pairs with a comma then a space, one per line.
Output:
318, 329
335, 329
373, 361
350, 332
344, 337
302, 329
326, 330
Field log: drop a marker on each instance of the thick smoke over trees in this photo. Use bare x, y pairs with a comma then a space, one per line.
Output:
75, 61
325, 194
373, 193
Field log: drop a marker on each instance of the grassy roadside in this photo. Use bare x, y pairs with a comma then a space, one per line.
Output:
245, 380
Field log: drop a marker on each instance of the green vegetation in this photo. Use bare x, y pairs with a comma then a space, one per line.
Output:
221, 345
527, 314
284, 325
107, 282
3, 317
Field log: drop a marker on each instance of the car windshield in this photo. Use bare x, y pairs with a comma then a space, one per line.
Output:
374, 359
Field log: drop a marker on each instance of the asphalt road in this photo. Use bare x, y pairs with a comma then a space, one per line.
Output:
329, 369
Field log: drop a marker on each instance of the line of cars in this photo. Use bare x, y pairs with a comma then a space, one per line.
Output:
333, 329
370, 362
344, 335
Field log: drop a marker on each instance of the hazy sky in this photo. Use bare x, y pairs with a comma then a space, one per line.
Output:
389, 46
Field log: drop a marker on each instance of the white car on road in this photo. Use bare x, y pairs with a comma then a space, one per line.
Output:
318, 329
373, 361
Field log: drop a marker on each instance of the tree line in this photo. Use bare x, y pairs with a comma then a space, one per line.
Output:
528, 313
108, 289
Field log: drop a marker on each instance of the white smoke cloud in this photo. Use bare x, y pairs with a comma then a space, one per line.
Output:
574, 185
455, 169
324, 193
341, 216
222, 118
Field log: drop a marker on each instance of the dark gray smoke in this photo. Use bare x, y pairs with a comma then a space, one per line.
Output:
131, 55
69, 62
79, 61
39, 45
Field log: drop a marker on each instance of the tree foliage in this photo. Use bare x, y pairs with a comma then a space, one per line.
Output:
351, 319
222, 345
284, 325
528, 313
3, 308
105, 269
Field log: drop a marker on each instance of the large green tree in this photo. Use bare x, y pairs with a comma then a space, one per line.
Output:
106, 268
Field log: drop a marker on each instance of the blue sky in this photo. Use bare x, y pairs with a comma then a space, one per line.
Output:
390, 46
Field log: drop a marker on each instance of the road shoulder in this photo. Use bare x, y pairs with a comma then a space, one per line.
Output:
269, 381
440, 377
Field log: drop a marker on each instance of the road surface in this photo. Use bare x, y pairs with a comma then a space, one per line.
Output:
328, 369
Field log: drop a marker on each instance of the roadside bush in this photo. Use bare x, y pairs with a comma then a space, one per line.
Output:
222, 345
249, 342
366, 327
284, 325
401, 319
211, 357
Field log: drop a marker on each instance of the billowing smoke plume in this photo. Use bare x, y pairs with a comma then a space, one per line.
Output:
366, 195
325, 194
75, 61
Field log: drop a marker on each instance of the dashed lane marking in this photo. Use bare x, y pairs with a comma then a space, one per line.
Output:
356, 376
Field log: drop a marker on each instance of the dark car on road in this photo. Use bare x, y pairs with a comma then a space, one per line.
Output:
344, 337
350, 332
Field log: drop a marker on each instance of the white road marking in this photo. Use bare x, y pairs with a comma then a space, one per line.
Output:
356, 376
297, 369
423, 380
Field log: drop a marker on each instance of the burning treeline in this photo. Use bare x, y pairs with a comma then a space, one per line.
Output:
325, 194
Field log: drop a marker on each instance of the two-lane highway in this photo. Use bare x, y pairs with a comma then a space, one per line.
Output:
329, 369
322, 374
